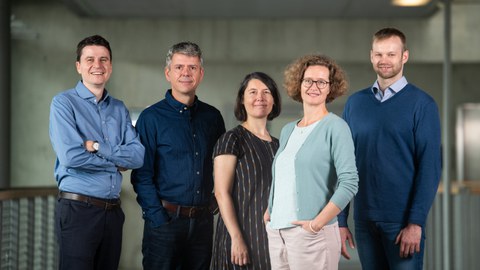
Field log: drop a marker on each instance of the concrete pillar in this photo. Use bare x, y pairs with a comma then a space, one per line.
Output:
5, 114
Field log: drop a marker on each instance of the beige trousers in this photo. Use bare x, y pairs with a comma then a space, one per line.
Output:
298, 249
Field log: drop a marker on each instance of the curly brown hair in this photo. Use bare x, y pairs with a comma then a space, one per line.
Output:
294, 72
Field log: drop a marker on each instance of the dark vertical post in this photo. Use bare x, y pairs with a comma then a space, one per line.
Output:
447, 228
5, 94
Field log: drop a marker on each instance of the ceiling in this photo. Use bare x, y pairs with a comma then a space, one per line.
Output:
248, 9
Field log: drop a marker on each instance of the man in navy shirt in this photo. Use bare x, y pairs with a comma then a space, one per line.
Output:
175, 184
94, 140
396, 132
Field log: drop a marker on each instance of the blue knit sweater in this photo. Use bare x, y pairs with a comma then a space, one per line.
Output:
398, 155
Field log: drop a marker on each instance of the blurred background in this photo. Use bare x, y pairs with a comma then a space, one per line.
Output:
38, 40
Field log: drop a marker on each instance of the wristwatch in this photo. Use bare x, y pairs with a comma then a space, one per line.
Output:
95, 146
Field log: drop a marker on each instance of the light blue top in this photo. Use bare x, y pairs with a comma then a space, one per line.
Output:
325, 167
390, 91
75, 117
285, 199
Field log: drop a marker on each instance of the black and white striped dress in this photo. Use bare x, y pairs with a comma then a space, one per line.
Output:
251, 187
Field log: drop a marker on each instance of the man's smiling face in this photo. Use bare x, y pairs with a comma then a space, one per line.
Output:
95, 66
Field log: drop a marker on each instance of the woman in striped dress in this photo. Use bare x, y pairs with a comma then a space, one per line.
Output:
243, 160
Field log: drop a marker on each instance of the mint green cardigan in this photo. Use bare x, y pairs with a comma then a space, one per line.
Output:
324, 167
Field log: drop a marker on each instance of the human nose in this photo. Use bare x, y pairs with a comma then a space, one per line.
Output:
316, 84
260, 96
185, 72
383, 58
97, 62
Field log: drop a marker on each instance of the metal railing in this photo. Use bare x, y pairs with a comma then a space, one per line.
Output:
465, 197
27, 236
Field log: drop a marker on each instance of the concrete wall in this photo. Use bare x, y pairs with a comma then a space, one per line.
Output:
43, 56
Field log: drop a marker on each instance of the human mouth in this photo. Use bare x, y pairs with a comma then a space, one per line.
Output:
314, 94
383, 67
185, 81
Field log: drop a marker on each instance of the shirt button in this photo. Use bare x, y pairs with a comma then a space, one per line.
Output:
181, 111
198, 172
185, 108
198, 191
196, 153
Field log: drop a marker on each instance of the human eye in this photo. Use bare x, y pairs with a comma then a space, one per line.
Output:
322, 83
267, 92
308, 81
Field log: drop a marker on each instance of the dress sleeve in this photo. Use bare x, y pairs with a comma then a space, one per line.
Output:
227, 144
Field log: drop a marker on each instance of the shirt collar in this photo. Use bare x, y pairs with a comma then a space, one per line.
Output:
178, 106
395, 87
84, 93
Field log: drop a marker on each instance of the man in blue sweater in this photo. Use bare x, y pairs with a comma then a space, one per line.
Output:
396, 132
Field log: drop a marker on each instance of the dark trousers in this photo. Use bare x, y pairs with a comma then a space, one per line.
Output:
89, 237
377, 249
181, 244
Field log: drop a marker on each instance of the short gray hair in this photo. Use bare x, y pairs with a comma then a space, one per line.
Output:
186, 48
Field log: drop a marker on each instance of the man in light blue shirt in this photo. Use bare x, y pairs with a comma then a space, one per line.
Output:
94, 140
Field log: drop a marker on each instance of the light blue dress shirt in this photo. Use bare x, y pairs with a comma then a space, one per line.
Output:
396, 87
75, 117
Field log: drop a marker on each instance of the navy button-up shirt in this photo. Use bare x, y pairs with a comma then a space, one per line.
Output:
178, 164
75, 117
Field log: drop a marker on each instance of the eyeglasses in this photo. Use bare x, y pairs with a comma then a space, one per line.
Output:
320, 83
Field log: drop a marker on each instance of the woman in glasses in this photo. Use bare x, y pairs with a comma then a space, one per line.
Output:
314, 171
243, 174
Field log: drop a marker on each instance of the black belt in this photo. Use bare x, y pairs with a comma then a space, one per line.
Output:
107, 204
186, 211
